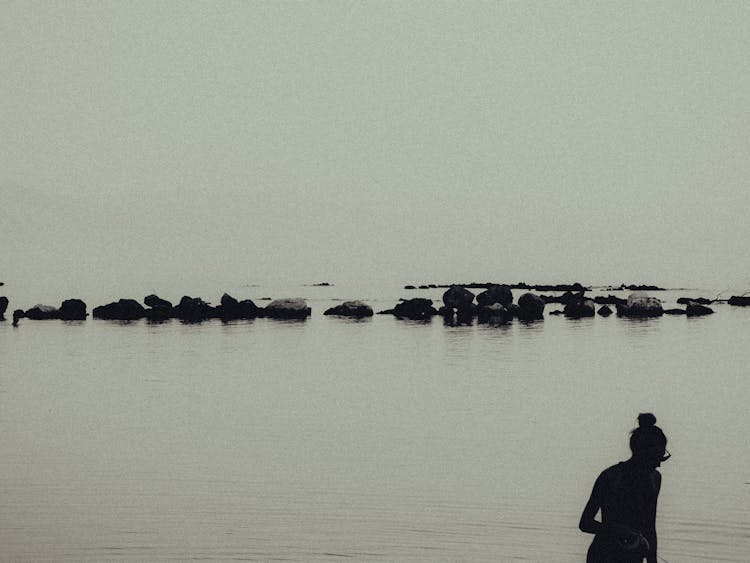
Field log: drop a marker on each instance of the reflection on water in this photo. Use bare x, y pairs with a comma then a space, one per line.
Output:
377, 439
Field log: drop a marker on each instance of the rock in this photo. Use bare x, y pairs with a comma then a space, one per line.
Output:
739, 301
699, 300
570, 288
565, 298
609, 300
17, 315
579, 308
675, 312
287, 309
459, 298
409, 287
418, 308
42, 312
495, 294
357, 309
604, 311
639, 304
694, 309
122, 310
495, 313
159, 309
3, 305
530, 307
156, 302
72, 310
194, 309
231, 309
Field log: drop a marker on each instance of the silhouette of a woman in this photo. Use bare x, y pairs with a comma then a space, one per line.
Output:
626, 494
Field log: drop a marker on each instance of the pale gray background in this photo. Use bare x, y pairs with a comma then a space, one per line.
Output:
420, 141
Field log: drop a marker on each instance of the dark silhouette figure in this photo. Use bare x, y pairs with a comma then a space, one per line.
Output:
626, 494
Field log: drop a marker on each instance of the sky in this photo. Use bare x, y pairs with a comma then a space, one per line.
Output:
265, 142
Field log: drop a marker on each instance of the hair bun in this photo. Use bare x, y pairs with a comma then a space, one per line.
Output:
646, 420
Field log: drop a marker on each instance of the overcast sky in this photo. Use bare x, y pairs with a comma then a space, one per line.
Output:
460, 141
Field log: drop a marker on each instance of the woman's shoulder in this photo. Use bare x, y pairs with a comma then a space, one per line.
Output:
613, 470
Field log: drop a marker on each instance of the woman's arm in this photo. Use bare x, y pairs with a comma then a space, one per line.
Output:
588, 522
651, 532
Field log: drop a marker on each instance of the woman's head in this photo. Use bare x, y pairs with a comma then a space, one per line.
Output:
647, 442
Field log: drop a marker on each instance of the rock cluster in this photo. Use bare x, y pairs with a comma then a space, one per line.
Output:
195, 309
69, 310
493, 305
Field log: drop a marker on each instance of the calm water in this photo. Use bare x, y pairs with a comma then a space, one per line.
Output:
374, 440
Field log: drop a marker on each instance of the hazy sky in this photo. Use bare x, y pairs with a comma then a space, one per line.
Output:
418, 141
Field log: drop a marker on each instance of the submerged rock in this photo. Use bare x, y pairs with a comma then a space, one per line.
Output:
604, 311
697, 310
459, 298
640, 304
530, 307
418, 308
357, 309
295, 308
231, 309
675, 311
496, 313
159, 309
194, 309
122, 310
42, 312
699, 300
72, 310
580, 308
495, 294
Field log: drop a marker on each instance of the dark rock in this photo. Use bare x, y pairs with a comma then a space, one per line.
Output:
609, 300
17, 315
287, 309
3, 305
501, 294
42, 313
699, 300
72, 310
530, 307
739, 301
565, 298
557, 312
495, 313
122, 310
156, 302
604, 311
350, 309
697, 310
230, 308
675, 312
459, 298
194, 309
642, 287
160, 309
418, 308
409, 287
640, 305
579, 308
573, 288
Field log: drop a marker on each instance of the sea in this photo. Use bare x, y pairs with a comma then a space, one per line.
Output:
332, 439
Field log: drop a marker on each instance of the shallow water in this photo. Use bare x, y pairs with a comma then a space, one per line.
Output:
373, 440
